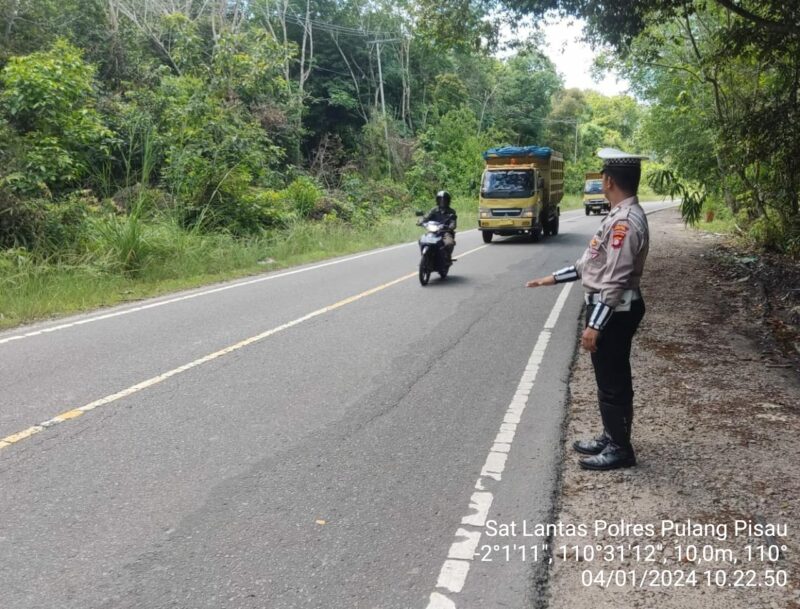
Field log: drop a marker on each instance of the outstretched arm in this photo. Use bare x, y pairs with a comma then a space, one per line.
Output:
568, 273
546, 280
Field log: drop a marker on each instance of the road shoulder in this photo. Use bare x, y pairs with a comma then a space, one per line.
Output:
716, 427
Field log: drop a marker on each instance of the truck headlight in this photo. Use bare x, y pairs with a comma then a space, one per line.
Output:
485, 213
527, 213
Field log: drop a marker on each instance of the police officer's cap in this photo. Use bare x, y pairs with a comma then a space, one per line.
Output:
613, 158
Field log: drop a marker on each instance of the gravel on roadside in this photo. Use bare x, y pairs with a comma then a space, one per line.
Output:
717, 435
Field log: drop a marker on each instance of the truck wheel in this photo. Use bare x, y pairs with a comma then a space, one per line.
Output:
536, 235
587, 211
554, 226
487, 236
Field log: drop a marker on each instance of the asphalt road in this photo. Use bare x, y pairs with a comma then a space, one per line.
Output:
334, 436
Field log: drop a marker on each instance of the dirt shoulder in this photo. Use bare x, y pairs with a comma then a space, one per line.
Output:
717, 433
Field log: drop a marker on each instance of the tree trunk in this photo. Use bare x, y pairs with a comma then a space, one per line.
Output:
14, 13
730, 200
361, 110
383, 111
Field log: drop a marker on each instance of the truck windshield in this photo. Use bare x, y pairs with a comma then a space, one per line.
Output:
593, 187
508, 184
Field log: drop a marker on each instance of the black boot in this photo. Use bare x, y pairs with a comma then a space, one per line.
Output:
618, 451
616, 423
629, 421
612, 457
593, 446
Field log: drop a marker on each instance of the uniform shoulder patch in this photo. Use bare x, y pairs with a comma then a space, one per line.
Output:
618, 232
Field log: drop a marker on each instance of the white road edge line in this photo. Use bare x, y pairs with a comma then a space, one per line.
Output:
223, 288
455, 569
76, 412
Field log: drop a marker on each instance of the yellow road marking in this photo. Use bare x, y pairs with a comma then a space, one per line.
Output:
21, 435
70, 414
76, 412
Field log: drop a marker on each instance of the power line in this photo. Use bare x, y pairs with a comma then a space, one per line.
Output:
340, 29
316, 67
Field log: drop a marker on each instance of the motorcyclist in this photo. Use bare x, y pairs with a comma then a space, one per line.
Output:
446, 215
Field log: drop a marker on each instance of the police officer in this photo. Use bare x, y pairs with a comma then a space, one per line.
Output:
444, 214
610, 271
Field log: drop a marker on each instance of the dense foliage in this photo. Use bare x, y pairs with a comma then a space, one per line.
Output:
726, 114
247, 117
721, 78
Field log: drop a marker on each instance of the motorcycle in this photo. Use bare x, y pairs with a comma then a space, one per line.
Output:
434, 256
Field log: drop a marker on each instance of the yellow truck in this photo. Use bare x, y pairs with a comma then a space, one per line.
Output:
593, 198
520, 192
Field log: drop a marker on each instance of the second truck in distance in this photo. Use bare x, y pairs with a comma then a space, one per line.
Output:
520, 192
593, 198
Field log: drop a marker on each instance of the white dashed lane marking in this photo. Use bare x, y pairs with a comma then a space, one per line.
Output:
454, 571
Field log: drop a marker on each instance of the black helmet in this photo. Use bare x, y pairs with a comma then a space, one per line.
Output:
443, 196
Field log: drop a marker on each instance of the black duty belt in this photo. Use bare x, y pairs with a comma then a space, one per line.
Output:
628, 296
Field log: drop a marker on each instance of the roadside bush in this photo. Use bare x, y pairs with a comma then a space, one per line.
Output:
302, 196
48, 101
150, 201
64, 224
219, 202
769, 233
391, 197
18, 221
374, 161
46, 227
715, 210
575, 175
248, 66
362, 201
426, 177
13, 261
450, 155
214, 153
119, 243
270, 207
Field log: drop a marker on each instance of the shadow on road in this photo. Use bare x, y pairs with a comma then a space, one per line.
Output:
451, 280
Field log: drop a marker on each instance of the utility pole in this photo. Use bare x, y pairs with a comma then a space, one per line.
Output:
377, 44
575, 157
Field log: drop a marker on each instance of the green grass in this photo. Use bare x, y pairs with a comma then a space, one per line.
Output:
647, 194
716, 218
167, 258
571, 201
130, 258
